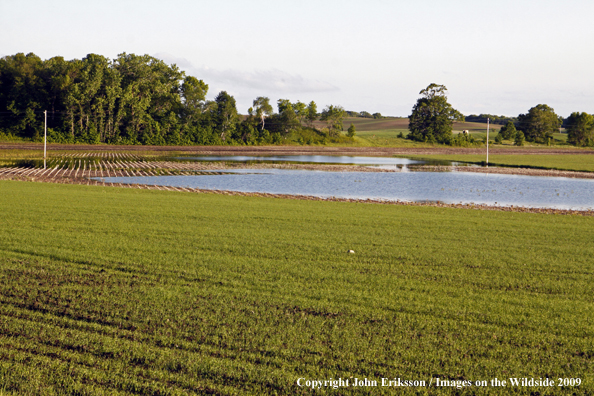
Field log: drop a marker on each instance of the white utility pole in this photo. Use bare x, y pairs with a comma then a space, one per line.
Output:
487, 142
45, 141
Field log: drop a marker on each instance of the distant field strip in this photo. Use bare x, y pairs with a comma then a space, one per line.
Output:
126, 291
574, 162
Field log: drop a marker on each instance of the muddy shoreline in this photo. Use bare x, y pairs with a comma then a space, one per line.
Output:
507, 171
412, 168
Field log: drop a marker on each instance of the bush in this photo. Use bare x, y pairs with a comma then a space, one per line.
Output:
463, 140
351, 131
519, 140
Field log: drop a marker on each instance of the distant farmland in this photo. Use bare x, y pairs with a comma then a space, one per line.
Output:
385, 131
401, 124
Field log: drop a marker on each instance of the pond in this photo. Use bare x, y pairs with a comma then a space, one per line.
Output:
447, 187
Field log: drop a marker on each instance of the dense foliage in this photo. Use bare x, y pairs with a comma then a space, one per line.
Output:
131, 99
580, 129
432, 116
493, 119
539, 123
364, 114
138, 100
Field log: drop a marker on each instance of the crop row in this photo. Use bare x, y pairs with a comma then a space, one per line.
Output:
94, 167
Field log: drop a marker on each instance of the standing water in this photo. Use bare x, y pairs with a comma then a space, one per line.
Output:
447, 187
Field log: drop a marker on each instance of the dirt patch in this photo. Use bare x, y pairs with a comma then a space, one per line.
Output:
294, 150
505, 171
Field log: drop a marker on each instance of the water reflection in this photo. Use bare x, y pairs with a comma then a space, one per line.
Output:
312, 159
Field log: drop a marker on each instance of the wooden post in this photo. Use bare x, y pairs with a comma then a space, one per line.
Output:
487, 142
45, 141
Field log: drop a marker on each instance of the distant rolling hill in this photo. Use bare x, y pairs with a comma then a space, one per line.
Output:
401, 124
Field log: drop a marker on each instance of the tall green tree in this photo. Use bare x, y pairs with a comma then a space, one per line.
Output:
262, 109
351, 131
334, 116
287, 120
508, 131
23, 95
57, 75
519, 139
150, 92
539, 123
432, 116
225, 116
88, 101
193, 92
580, 128
300, 111
312, 112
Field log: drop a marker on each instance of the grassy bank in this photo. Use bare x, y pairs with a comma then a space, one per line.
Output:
573, 162
148, 292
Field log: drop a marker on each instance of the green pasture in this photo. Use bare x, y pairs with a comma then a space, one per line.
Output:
379, 138
572, 162
126, 291
381, 132
371, 124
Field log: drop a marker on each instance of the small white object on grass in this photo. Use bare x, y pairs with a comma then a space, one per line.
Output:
351, 251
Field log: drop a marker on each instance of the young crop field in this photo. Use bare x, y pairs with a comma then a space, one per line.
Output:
122, 291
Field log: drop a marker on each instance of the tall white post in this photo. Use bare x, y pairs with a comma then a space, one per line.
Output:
45, 141
487, 142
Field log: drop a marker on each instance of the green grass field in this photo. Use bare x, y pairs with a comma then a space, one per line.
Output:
389, 137
573, 162
125, 291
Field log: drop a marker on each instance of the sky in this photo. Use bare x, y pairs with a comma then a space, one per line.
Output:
498, 57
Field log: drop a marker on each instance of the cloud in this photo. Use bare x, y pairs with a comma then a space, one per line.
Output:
276, 81
273, 80
166, 57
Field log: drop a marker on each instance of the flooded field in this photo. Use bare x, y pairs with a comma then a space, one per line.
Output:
343, 177
446, 187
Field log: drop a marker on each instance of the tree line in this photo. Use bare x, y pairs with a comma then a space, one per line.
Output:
364, 114
432, 120
493, 119
139, 99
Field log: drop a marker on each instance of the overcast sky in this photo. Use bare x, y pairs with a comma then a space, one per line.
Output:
499, 57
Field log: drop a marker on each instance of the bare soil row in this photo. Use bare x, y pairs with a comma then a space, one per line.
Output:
295, 150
